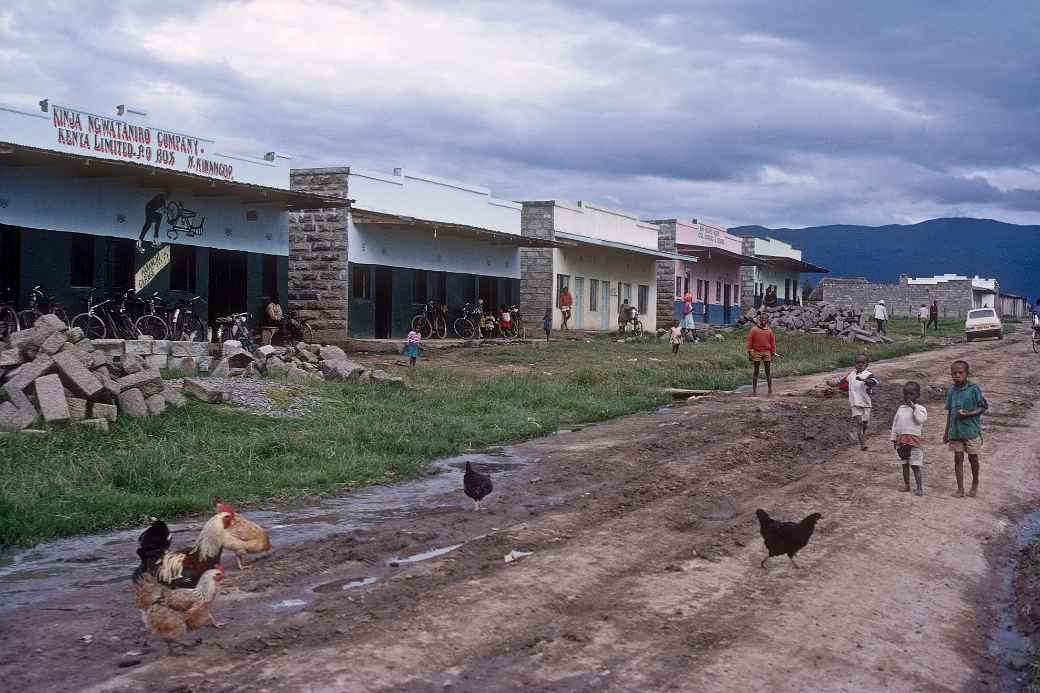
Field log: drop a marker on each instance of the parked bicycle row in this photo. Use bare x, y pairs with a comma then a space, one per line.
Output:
475, 322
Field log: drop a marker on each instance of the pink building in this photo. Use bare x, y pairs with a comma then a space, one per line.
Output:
713, 281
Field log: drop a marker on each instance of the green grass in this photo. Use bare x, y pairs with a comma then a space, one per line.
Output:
903, 326
75, 480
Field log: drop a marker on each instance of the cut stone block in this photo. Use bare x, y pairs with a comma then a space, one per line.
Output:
156, 403
201, 390
100, 424
149, 381
113, 347
101, 358
266, 350
239, 358
195, 349
109, 388
342, 369
277, 369
77, 408
137, 346
74, 335
53, 344
49, 323
86, 345
11, 417
131, 362
104, 411
9, 358
156, 361
229, 347
384, 378
21, 339
132, 403
220, 369
185, 365
23, 376
331, 353
161, 346
76, 376
309, 357
51, 397
203, 362
174, 398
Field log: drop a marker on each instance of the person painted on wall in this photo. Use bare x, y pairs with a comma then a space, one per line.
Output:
153, 216
566, 301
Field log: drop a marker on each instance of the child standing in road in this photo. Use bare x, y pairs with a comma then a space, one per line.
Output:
965, 406
547, 324
906, 435
761, 347
676, 336
861, 383
411, 347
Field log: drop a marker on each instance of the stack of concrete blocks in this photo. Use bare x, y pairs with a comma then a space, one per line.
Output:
188, 358
53, 372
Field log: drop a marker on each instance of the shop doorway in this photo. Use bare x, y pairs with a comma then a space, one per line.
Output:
227, 285
119, 265
383, 304
10, 267
727, 300
487, 289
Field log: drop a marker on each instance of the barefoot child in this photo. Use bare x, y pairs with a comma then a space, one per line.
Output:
861, 383
547, 324
964, 408
676, 336
906, 435
411, 347
761, 347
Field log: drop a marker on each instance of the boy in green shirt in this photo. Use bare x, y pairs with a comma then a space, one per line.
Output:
964, 408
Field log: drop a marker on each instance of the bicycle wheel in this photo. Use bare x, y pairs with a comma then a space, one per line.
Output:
152, 326
464, 328
1036, 345
637, 328
509, 332
126, 329
440, 327
93, 327
8, 322
191, 329
26, 319
422, 325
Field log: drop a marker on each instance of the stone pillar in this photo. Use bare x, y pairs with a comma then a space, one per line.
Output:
318, 282
747, 275
536, 264
666, 275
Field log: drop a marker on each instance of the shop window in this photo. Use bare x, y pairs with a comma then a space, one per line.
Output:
269, 275
718, 292
644, 298
182, 268
700, 290
82, 268
361, 281
678, 287
686, 284
593, 295
563, 281
419, 290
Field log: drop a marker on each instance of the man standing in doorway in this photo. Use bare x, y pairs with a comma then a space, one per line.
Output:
880, 316
566, 301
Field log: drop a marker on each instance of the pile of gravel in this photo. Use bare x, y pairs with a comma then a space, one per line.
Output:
254, 395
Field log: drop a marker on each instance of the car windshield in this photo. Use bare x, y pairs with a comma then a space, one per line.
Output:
981, 314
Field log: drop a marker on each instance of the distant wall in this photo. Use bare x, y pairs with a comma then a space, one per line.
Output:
954, 297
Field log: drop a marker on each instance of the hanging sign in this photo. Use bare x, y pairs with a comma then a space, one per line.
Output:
150, 269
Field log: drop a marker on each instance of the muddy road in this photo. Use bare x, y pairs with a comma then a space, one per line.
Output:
643, 574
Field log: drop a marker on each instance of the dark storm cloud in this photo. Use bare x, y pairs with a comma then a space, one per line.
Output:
747, 112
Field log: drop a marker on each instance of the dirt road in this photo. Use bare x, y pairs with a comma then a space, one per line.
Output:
644, 572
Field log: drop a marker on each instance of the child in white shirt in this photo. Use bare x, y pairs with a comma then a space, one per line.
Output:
676, 337
906, 435
860, 383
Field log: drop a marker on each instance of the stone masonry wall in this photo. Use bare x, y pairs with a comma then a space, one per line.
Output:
954, 297
536, 264
747, 275
318, 281
666, 275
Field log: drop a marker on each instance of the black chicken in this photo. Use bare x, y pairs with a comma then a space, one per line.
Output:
785, 537
151, 546
476, 485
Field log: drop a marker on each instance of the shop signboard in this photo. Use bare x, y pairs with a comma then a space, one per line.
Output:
150, 269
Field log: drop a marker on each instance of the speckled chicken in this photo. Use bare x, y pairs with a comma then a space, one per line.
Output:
476, 485
170, 613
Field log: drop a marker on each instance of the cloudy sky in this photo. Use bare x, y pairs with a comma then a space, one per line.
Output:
791, 113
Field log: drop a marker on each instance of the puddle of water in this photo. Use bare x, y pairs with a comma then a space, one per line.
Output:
289, 604
1011, 647
95, 561
345, 584
424, 556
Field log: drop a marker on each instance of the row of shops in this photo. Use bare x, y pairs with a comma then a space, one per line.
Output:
93, 203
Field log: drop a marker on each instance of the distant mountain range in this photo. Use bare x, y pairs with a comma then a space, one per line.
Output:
985, 247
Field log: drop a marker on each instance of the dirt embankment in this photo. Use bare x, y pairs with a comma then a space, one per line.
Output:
644, 568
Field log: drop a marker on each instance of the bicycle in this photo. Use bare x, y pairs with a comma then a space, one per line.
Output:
185, 324
8, 317
298, 329
431, 322
232, 327
120, 324
515, 329
633, 323
1036, 336
93, 327
468, 325
151, 323
27, 318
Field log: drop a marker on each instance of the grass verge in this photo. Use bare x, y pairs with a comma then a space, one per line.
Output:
77, 480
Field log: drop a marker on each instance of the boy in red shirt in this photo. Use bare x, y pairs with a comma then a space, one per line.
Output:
761, 347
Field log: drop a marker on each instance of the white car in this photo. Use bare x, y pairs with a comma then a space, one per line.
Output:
981, 323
